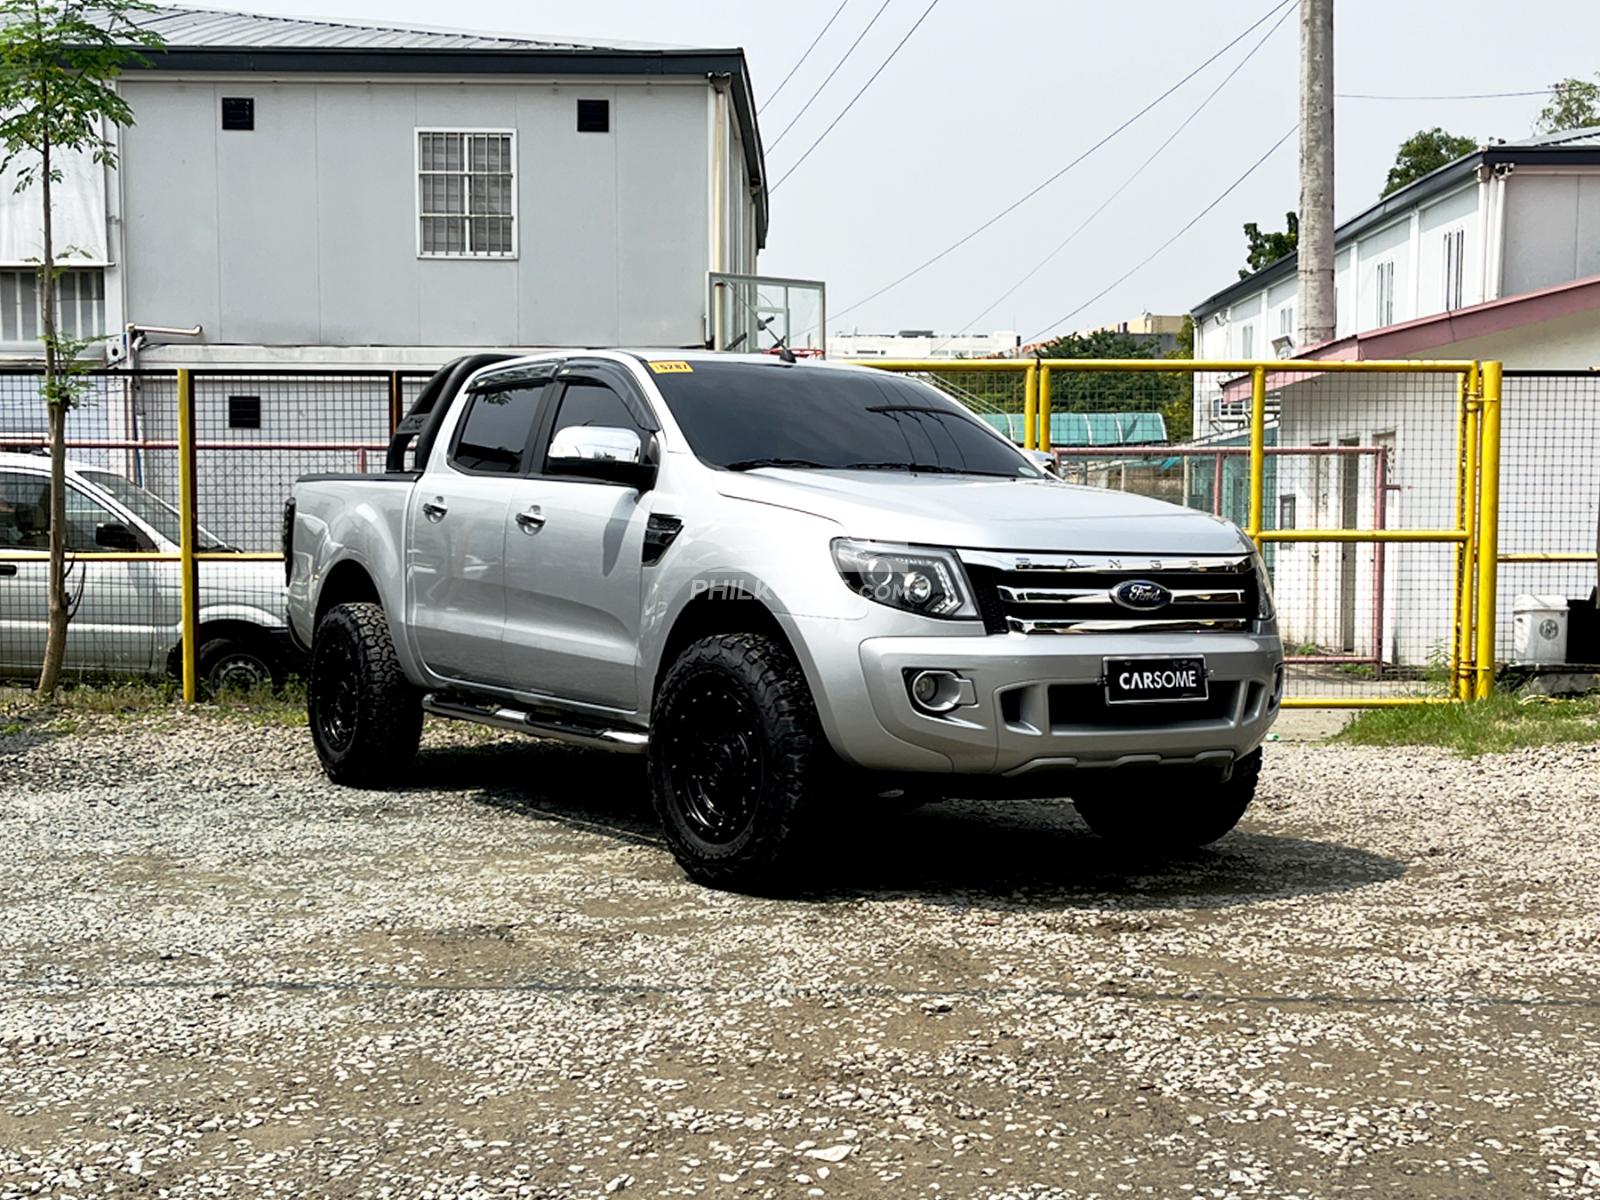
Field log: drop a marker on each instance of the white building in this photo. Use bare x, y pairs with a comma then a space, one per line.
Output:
924, 343
343, 194
1495, 256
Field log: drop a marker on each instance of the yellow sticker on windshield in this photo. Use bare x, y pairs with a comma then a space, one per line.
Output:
672, 368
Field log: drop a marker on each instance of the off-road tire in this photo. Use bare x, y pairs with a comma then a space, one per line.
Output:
1183, 817
365, 718
736, 707
234, 662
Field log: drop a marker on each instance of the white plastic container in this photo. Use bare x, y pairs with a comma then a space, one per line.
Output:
1539, 630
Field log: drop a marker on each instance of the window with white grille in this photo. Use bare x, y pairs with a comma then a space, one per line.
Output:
1247, 341
1286, 321
1455, 246
80, 305
466, 193
1383, 293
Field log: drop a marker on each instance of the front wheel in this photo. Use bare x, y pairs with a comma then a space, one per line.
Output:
1184, 815
365, 717
737, 757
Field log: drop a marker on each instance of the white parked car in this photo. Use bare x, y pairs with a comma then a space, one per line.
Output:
127, 615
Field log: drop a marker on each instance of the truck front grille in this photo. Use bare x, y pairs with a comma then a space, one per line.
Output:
1078, 593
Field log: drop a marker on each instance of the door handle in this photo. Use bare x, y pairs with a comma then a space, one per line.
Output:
8, 568
434, 509
531, 519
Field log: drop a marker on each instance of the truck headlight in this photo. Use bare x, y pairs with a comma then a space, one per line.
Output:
913, 578
1266, 607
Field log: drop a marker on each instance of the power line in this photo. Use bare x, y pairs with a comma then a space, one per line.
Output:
1149, 258
795, 166
803, 57
1029, 195
813, 98
1126, 183
1461, 96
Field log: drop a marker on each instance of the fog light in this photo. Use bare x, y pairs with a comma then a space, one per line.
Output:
938, 691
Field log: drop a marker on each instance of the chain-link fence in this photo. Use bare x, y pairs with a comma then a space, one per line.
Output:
253, 434
1550, 522
1361, 484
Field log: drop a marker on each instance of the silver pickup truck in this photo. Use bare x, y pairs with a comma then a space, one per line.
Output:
794, 586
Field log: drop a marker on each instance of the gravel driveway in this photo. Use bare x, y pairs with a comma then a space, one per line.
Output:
225, 977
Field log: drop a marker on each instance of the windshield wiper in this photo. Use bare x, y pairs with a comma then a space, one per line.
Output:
751, 464
919, 468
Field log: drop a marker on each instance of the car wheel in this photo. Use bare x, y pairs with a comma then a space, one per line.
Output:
365, 717
238, 664
736, 758
1183, 816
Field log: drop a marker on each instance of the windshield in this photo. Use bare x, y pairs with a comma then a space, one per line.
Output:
154, 512
744, 415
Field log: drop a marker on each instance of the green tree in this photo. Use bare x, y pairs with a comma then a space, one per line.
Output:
1169, 394
59, 60
1264, 248
1424, 151
1574, 104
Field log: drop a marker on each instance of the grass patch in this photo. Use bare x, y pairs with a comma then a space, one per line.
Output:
1503, 722
112, 700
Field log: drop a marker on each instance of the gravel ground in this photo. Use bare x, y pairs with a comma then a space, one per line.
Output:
223, 976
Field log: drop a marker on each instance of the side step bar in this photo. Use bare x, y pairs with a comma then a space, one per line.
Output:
545, 725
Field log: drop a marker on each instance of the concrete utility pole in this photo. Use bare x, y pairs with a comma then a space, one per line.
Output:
1316, 172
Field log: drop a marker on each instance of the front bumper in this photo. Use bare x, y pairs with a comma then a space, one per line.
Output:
1038, 702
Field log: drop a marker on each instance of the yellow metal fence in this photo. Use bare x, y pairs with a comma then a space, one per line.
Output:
1469, 466
1456, 451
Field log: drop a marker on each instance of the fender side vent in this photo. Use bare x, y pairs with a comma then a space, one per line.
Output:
659, 533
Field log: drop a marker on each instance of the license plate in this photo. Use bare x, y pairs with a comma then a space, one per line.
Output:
1151, 680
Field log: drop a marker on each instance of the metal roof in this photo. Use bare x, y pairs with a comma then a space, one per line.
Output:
218, 28
1574, 147
1089, 428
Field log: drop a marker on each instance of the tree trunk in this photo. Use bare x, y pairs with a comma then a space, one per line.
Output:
55, 647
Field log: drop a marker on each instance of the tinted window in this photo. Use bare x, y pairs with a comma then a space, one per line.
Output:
24, 512
84, 516
590, 402
152, 510
494, 433
742, 415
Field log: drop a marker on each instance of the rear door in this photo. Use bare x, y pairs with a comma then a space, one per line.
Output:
456, 529
574, 563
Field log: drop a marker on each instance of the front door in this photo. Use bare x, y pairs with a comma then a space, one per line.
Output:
25, 535
456, 527
574, 564
112, 629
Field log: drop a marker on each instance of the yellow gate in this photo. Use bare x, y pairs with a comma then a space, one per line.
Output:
1405, 457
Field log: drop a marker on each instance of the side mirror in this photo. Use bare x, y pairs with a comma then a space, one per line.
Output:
1045, 461
602, 452
114, 535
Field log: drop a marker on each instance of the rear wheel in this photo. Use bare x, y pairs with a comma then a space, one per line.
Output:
736, 759
1184, 814
365, 718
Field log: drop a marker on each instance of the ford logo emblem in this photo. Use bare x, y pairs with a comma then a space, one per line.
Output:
1141, 594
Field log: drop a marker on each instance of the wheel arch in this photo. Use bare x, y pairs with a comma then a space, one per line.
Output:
713, 612
242, 628
348, 582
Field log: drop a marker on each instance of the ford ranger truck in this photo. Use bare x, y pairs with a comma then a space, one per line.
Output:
792, 586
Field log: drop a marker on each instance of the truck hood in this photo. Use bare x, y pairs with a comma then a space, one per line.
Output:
986, 513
